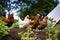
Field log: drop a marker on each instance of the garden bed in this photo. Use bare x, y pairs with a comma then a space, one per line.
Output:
13, 34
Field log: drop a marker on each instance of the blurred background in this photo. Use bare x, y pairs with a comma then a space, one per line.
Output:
21, 8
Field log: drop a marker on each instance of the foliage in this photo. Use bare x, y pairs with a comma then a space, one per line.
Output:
1, 8
42, 6
45, 5
25, 36
15, 24
51, 30
22, 15
3, 29
3, 3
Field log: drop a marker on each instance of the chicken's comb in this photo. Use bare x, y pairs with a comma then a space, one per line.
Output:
38, 14
12, 13
46, 17
28, 16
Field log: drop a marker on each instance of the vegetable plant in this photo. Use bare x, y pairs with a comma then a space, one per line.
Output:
25, 36
51, 30
3, 29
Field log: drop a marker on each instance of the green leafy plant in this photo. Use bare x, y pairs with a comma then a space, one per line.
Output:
51, 30
25, 35
15, 24
3, 29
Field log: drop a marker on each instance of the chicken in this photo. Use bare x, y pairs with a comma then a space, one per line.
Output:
34, 23
43, 23
24, 23
9, 21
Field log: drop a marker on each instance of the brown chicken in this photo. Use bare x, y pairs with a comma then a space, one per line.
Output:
9, 21
34, 23
43, 23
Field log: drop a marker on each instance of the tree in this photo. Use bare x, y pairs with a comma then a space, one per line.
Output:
3, 5
42, 6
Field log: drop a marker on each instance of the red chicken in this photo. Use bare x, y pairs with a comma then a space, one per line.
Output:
9, 21
43, 23
34, 23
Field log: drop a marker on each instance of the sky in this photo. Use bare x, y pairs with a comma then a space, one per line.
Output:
59, 1
13, 0
14, 8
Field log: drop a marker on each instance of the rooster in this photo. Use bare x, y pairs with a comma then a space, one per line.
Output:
9, 21
24, 23
43, 23
34, 23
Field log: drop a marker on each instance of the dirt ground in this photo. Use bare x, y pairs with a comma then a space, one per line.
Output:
58, 25
13, 35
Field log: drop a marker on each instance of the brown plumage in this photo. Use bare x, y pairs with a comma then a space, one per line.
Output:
43, 23
35, 22
9, 21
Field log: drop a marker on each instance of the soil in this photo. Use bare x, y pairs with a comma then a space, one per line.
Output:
58, 27
13, 34
40, 35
